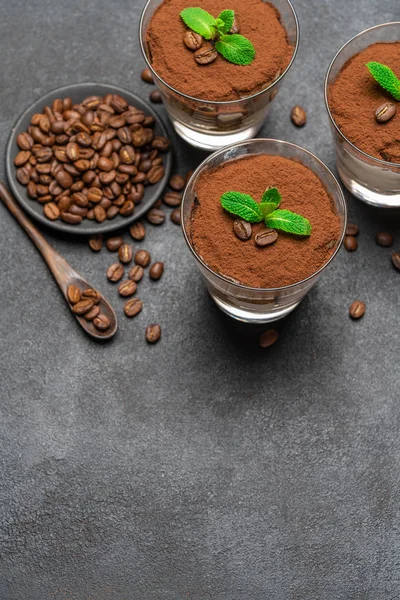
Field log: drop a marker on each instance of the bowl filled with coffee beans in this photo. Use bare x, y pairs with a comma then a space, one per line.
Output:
88, 158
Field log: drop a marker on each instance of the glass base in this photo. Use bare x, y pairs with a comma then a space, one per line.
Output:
372, 197
212, 142
240, 313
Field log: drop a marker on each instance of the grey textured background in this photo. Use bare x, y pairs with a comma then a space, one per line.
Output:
203, 467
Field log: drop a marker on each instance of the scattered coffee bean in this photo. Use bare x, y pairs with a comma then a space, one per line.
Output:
114, 243
96, 243
89, 316
206, 54
101, 322
74, 294
242, 229
136, 273
133, 307
350, 243
352, 229
138, 231
298, 116
127, 288
156, 270
265, 237
82, 307
384, 239
125, 253
156, 216
176, 216
147, 76
172, 199
142, 258
192, 40
153, 333
115, 272
268, 338
396, 260
385, 112
177, 183
357, 309
156, 97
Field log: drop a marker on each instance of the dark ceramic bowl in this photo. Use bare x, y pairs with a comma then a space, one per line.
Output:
78, 92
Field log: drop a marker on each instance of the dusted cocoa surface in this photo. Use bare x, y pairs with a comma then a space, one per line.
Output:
354, 97
291, 258
221, 80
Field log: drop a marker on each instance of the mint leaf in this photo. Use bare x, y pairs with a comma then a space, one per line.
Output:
236, 48
199, 21
266, 208
288, 221
385, 77
225, 21
272, 195
242, 205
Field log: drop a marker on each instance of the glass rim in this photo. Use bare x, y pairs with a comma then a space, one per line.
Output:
380, 161
220, 102
241, 285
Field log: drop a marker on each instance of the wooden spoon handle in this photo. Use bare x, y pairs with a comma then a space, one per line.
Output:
61, 270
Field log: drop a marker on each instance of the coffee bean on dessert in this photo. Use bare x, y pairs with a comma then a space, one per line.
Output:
206, 54
142, 258
265, 237
114, 243
172, 199
357, 309
93, 312
101, 322
384, 239
156, 97
155, 216
350, 243
74, 294
153, 333
352, 229
177, 183
176, 216
156, 271
136, 273
192, 40
115, 272
385, 112
133, 307
127, 288
242, 229
147, 76
96, 243
138, 231
83, 306
396, 260
298, 116
125, 253
268, 338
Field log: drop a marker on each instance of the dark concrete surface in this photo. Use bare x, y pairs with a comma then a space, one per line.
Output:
203, 467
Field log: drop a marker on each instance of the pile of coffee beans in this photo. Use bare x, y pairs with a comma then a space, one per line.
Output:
90, 160
86, 304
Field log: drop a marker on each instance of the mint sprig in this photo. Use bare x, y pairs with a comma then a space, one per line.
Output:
232, 46
245, 207
385, 77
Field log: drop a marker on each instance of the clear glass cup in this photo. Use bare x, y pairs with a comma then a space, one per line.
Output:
261, 305
212, 125
370, 179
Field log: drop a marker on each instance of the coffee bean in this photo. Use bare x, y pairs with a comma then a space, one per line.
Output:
63, 178
136, 273
91, 294
156, 174
25, 141
138, 231
153, 333
80, 199
396, 260
125, 253
114, 243
127, 288
177, 183
99, 213
112, 212
160, 143
242, 229
357, 309
83, 306
73, 151
142, 258
51, 211
133, 307
385, 112
206, 54
176, 216
127, 208
265, 237
268, 338
74, 294
22, 157
101, 322
89, 316
115, 272
298, 116
94, 195
350, 243
105, 164
192, 40
70, 218
352, 229
155, 216
147, 76
156, 97
172, 199
96, 243
156, 271
384, 239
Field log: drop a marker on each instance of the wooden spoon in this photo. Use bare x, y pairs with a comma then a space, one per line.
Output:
62, 272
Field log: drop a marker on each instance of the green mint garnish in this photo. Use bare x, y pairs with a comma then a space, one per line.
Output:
385, 77
243, 206
234, 47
